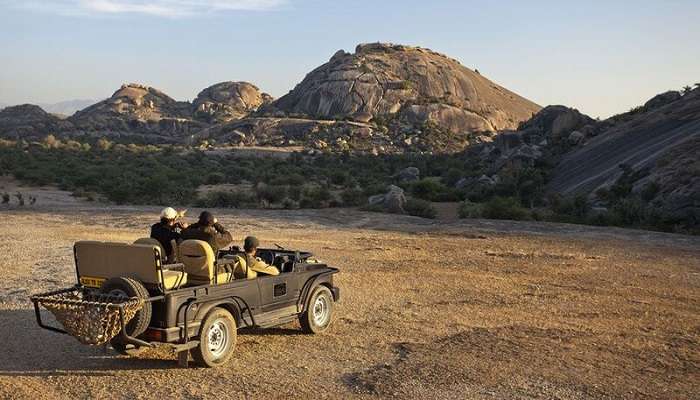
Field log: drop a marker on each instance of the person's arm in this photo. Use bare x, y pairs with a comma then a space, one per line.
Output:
220, 228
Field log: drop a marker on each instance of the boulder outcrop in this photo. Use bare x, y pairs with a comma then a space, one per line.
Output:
414, 94
227, 101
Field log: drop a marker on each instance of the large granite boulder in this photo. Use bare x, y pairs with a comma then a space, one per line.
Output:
228, 101
553, 124
408, 174
393, 201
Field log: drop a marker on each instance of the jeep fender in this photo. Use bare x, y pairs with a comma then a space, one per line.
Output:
232, 304
320, 279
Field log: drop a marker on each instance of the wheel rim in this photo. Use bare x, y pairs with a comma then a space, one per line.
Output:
217, 338
321, 310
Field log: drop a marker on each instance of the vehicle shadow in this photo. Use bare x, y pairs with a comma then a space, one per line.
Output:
27, 350
270, 332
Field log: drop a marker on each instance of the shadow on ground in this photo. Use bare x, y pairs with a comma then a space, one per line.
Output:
28, 350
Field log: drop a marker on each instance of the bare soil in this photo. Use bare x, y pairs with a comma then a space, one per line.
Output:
430, 310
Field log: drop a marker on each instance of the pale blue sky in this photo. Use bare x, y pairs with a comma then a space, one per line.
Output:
602, 57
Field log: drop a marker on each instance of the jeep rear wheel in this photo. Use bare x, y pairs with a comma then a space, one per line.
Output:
319, 311
128, 287
217, 339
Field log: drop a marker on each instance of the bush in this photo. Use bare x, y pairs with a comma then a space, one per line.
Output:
270, 194
215, 178
504, 208
432, 190
420, 208
650, 191
353, 197
315, 197
467, 209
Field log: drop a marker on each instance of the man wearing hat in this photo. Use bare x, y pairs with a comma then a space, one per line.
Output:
209, 230
253, 263
168, 229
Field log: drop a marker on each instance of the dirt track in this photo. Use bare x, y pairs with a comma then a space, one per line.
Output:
477, 309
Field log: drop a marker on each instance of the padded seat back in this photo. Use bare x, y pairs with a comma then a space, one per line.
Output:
198, 258
241, 270
104, 260
151, 242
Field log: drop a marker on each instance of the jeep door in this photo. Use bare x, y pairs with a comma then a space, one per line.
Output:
277, 292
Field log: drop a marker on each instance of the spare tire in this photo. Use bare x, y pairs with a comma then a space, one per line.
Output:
128, 287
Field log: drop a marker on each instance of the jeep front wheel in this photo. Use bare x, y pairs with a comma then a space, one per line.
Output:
319, 311
217, 339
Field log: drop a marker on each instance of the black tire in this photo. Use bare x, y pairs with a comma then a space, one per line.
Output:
131, 288
217, 339
318, 314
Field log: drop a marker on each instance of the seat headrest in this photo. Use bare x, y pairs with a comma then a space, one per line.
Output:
198, 257
151, 242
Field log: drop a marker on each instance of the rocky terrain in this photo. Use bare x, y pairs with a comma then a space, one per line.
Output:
228, 101
415, 98
139, 109
659, 143
472, 309
384, 98
28, 121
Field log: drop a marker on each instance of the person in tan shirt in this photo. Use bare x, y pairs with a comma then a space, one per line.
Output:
253, 263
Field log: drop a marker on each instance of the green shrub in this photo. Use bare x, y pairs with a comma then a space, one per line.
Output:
432, 190
353, 197
650, 191
420, 208
467, 209
315, 197
215, 178
504, 208
270, 194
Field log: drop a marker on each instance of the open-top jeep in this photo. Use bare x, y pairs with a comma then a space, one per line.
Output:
126, 295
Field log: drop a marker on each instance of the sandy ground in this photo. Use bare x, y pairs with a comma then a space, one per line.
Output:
430, 310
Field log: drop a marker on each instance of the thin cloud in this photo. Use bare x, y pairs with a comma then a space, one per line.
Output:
159, 8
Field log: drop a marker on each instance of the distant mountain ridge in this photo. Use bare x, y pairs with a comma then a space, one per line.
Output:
67, 107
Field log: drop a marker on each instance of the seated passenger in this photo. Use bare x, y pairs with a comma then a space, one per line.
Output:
209, 230
167, 230
254, 263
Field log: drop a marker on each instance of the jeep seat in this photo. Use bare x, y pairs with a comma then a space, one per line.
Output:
104, 260
198, 257
152, 242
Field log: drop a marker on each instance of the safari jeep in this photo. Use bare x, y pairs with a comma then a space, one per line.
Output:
126, 295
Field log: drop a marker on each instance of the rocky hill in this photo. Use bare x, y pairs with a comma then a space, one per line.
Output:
655, 149
386, 98
139, 109
28, 121
643, 163
387, 81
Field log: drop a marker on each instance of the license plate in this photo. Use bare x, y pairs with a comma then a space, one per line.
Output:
91, 282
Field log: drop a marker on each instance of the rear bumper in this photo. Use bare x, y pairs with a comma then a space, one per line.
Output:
336, 293
170, 335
